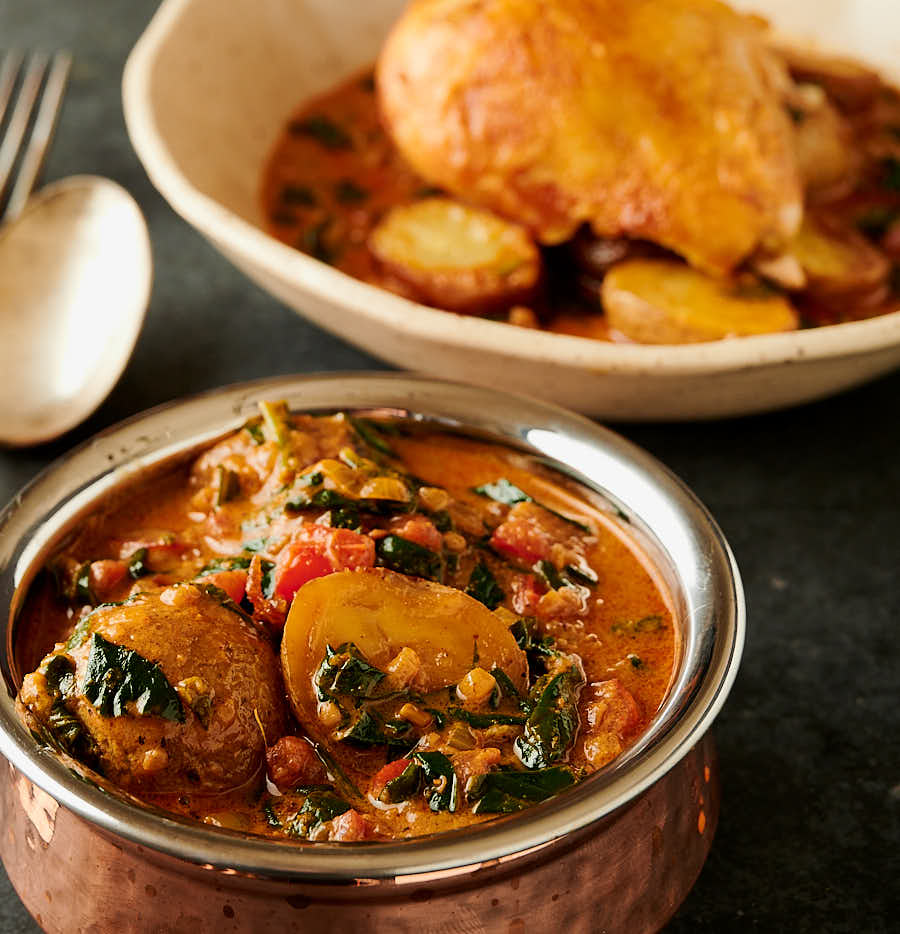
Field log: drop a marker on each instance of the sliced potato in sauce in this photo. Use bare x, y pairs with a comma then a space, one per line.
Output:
840, 266
456, 256
382, 612
656, 301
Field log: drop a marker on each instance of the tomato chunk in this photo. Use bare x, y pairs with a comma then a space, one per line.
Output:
522, 539
527, 591
387, 774
234, 582
350, 827
292, 762
422, 531
106, 574
318, 550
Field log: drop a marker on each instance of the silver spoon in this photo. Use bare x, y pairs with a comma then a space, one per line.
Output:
75, 268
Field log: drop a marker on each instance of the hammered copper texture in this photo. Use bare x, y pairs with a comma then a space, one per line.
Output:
629, 874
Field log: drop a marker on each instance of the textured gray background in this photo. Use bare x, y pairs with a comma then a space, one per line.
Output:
810, 738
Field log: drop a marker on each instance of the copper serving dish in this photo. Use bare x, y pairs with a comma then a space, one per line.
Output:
618, 852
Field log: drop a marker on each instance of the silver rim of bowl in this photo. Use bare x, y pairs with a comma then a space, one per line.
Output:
671, 522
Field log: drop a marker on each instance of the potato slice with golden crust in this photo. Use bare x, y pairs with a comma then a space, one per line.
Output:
457, 257
666, 302
841, 266
382, 613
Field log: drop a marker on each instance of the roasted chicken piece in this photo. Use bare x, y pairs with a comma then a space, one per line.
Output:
654, 119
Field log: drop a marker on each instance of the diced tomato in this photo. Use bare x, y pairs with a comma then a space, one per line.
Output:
272, 610
526, 593
613, 709
106, 574
522, 539
350, 827
292, 762
387, 774
234, 582
316, 551
420, 530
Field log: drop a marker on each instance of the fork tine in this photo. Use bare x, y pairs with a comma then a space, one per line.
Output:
18, 122
41, 135
9, 70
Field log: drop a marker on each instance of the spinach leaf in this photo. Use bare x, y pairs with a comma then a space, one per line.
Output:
874, 223
254, 429
323, 130
502, 491
59, 673
891, 176
441, 786
537, 648
116, 675
406, 557
442, 521
228, 485
505, 687
506, 791
483, 586
371, 730
345, 672
546, 570
83, 590
583, 574
239, 563
404, 786
323, 806
483, 720
137, 564
372, 434
222, 598
553, 719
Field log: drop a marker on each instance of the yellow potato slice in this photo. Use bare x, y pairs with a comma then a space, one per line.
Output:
657, 301
383, 612
839, 265
457, 257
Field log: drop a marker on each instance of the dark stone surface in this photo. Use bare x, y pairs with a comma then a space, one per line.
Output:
809, 740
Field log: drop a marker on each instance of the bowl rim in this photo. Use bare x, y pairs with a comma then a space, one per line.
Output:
279, 261
713, 606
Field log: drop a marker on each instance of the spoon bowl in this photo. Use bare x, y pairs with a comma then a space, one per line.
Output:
75, 278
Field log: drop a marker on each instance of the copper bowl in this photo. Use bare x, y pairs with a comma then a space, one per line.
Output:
618, 852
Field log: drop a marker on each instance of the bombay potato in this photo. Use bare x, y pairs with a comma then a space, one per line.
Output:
458, 257
658, 301
169, 692
382, 613
653, 119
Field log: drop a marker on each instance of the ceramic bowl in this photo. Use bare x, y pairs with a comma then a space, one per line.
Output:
206, 95
617, 852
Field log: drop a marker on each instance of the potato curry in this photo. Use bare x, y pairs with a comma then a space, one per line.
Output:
345, 628
657, 171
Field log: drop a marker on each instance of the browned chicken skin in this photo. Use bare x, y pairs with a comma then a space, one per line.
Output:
654, 119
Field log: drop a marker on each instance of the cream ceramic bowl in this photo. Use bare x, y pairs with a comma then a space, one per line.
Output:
207, 90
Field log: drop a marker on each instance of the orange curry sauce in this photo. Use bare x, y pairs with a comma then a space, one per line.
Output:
227, 540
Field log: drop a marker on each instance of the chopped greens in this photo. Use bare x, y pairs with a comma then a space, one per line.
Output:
891, 177
137, 564
116, 676
83, 590
441, 786
323, 806
228, 485
502, 491
237, 563
483, 586
372, 434
404, 786
345, 672
506, 791
222, 598
481, 721
552, 721
874, 223
406, 557
313, 242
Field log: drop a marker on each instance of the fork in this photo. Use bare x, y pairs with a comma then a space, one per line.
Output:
41, 82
